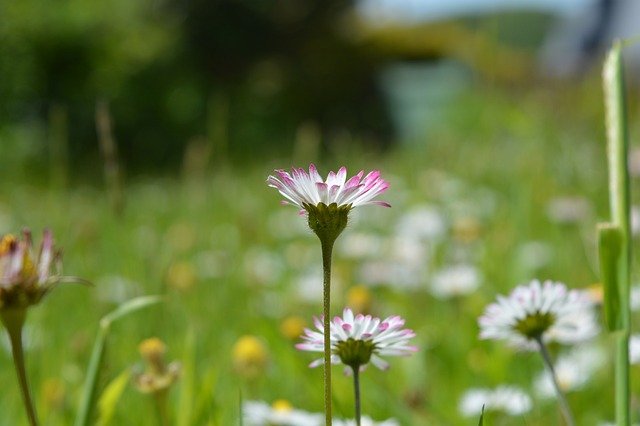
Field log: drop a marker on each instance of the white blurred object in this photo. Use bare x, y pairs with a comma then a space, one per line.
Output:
384, 12
457, 280
508, 399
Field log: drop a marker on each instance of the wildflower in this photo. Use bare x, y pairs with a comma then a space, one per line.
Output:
249, 356
360, 297
457, 280
366, 421
281, 413
356, 341
327, 204
634, 349
158, 375
307, 190
508, 399
545, 312
292, 326
25, 279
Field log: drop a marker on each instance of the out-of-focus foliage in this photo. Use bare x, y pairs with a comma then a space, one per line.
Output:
238, 74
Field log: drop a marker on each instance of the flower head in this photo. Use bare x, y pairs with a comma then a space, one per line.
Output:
25, 278
158, 375
304, 189
508, 399
281, 413
546, 312
358, 340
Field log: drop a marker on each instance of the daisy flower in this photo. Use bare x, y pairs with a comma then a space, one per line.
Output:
307, 190
539, 312
456, 280
281, 413
25, 278
508, 399
358, 340
366, 421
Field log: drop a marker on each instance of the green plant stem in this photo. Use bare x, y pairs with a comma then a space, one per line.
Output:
617, 153
161, 404
356, 393
623, 391
562, 401
14, 320
327, 250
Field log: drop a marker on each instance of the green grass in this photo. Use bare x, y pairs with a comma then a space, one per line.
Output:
499, 158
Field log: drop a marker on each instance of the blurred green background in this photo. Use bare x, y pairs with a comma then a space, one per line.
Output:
492, 165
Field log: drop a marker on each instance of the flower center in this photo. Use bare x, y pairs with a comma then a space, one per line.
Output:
534, 325
355, 353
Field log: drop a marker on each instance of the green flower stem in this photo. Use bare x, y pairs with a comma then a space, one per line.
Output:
356, 393
13, 320
617, 153
161, 404
564, 405
327, 250
327, 222
623, 391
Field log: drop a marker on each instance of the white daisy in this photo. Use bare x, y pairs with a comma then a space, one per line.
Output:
304, 189
457, 280
356, 340
365, 421
548, 312
508, 399
281, 413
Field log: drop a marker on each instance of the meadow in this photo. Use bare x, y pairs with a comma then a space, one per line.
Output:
507, 188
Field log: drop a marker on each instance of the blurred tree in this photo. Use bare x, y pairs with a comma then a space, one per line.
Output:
181, 69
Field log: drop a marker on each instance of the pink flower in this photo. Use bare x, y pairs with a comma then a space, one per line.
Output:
304, 189
356, 340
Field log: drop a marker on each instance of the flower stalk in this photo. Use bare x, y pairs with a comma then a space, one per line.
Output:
562, 400
327, 222
13, 320
327, 204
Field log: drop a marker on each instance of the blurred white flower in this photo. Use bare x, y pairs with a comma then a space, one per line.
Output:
573, 371
281, 413
508, 399
359, 245
422, 222
457, 280
534, 254
635, 220
365, 421
634, 349
263, 266
117, 289
635, 297
549, 312
568, 209
392, 274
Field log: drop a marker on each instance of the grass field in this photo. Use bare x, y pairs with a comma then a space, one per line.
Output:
511, 186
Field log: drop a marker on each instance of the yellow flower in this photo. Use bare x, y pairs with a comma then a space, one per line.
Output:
249, 356
159, 375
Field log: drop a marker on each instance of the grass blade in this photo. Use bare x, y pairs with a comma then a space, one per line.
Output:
90, 386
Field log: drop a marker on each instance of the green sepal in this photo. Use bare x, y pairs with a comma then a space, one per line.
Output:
327, 221
610, 249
